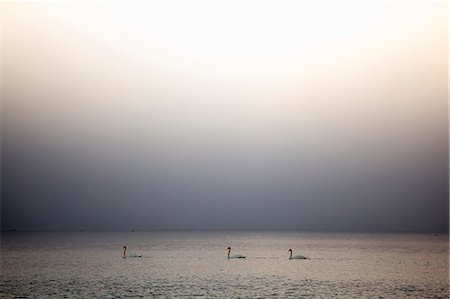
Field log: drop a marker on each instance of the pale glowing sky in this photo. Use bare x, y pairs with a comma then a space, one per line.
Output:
304, 115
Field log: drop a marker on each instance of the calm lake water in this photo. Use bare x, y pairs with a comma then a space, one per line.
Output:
191, 264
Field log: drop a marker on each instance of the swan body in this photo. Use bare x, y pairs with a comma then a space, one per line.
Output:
236, 256
125, 253
296, 257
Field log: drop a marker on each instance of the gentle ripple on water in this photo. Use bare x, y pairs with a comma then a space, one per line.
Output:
194, 264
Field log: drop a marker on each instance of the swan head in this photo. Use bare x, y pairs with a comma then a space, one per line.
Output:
229, 248
290, 250
124, 247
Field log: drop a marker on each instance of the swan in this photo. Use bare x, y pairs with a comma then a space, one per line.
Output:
296, 257
125, 255
236, 256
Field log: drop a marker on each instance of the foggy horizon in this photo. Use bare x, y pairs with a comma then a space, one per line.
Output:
225, 116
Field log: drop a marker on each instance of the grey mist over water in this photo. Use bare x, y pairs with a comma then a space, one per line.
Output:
195, 264
170, 116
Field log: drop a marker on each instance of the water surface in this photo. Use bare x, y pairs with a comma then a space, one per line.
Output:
185, 263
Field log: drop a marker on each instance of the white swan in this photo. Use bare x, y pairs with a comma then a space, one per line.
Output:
296, 257
125, 255
236, 256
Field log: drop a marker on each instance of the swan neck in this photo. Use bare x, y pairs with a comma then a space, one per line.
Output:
124, 252
290, 254
229, 250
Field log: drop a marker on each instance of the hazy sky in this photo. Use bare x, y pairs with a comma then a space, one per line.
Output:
215, 115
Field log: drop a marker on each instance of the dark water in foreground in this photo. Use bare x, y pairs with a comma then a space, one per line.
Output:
194, 264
